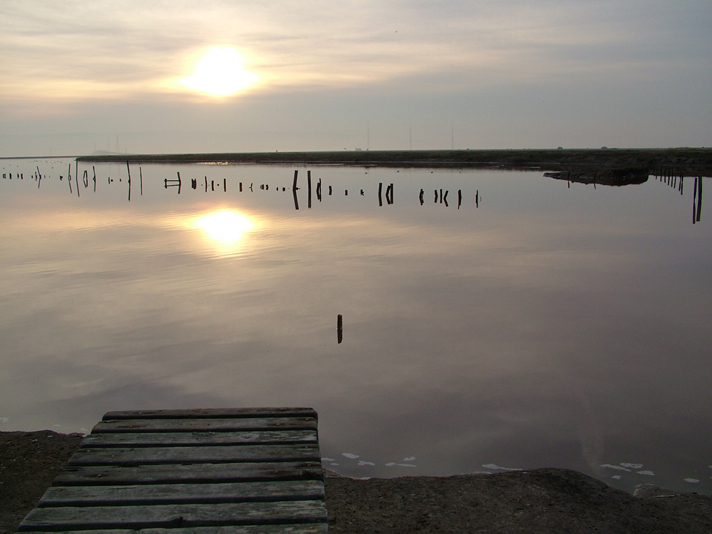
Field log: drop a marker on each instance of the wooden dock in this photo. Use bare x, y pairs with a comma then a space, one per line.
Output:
213, 471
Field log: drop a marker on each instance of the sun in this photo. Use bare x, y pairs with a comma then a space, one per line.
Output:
220, 72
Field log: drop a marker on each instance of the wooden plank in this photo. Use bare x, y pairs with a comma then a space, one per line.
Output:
184, 439
174, 516
196, 455
197, 473
205, 425
182, 493
211, 413
315, 528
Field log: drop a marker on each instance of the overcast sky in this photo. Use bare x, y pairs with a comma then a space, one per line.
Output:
80, 76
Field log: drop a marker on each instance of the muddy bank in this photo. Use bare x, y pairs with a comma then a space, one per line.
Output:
657, 161
541, 500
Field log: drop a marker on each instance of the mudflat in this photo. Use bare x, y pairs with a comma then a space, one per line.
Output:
540, 500
653, 161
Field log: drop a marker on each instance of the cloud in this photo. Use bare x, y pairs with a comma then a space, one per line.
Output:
106, 50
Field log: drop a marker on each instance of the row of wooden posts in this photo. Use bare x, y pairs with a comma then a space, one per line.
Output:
677, 183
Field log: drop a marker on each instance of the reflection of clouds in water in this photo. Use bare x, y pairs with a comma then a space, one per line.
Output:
632, 466
362, 463
409, 458
350, 455
692, 480
618, 467
617, 477
328, 460
646, 473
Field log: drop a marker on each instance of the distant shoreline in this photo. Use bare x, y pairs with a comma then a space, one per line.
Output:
656, 161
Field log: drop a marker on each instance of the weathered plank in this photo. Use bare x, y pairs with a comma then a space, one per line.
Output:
182, 493
196, 455
206, 425
185, 439
198, 473
211, 413
316, 528
174, 516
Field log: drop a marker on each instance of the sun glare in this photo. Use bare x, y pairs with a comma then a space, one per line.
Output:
220, 72
224, 227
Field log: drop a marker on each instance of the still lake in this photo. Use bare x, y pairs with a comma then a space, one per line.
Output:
531, 322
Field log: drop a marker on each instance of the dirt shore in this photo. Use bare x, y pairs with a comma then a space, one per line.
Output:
662, 161
541, 500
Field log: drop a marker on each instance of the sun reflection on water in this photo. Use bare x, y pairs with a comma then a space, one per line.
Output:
225, 228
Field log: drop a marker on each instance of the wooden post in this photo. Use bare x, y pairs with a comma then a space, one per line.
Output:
420, 196
225, 185
694, 202
94, 171
318, 190
294, 184
140, 174
309, 197
459, 198
339, 328
477, 199
380, 198
699, 200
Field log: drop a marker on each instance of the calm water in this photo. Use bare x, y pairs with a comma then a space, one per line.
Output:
536, 324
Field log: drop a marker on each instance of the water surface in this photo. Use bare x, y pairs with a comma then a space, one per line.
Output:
532, 323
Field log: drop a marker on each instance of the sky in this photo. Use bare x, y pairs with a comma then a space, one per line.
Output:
216, 76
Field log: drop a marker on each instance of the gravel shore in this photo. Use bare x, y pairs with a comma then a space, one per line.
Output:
540, 500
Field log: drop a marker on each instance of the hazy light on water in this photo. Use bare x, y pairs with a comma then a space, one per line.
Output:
225, 228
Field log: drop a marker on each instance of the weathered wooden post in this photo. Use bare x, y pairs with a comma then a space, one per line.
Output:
339, 328
225, 185
309, 196
140, 175
318, 190
459, 198
294, 183
380, 190
694, 202
420, 196
93, 169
